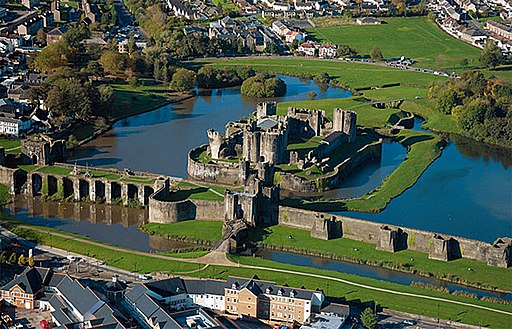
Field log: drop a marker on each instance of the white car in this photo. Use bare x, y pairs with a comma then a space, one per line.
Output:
410, 322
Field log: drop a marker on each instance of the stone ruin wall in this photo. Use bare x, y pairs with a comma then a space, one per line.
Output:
215, 173
368, 231
341, 171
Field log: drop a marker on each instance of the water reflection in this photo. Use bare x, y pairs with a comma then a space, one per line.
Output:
106, 223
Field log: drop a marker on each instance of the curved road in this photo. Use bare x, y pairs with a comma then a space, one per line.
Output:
219, 258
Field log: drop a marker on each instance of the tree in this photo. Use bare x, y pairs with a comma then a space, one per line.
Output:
272, 48
3, 257
107, 97
54, 56
41, 37
13, 258
22, 260
31, 261
112, 61
376, 54
75, 35
261, 86
346, 51
183, 80
369, 319
491, 55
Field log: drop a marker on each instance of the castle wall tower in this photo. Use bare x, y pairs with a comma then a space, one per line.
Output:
265, 109
345, 121
215, 140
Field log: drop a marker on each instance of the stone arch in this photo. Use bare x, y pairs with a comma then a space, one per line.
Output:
133, 192
148, 191
99, 188
52, 185
34, 159
37, 184
115, 191
83, 189
20, 179
68, 189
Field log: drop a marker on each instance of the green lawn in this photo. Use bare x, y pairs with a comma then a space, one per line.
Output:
350, 293
413, 37
225, 5
358, 251
55, 170
135, 100
105, 175
352, 75
9, 143
367, 115
193, 191
139, 180
28, 168
196, 229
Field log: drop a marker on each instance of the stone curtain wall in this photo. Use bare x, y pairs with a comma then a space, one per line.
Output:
219, 172
367, 231
301, 185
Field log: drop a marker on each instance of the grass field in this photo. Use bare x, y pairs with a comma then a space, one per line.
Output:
350, 293
353, 75
361, 251
135, 100
9, 143
413, 37
200, 230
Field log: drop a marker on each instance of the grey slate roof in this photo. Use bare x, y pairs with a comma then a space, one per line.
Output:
167, 288
199, 286
30, 280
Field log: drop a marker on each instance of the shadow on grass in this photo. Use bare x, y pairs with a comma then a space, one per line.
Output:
410, 140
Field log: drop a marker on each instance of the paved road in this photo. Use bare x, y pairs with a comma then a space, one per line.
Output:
219, 258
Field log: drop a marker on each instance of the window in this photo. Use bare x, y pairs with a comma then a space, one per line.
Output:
249, 306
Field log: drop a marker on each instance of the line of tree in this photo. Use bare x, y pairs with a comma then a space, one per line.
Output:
482, 107
210, 77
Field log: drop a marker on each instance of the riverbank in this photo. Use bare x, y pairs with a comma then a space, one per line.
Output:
352, 288
462, 271
129, 101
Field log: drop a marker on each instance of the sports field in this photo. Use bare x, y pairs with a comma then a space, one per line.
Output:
413, 37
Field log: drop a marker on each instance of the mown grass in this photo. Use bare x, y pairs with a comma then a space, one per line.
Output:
193, 191
465, 269
352, 75
350, 293
55, 170
28, 168
135, 100
200, 230
9, 143
413, 37
367, 116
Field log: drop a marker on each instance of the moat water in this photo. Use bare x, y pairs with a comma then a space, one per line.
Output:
118, 226
466, 192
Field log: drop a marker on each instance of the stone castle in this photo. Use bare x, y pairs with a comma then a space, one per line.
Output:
256, 204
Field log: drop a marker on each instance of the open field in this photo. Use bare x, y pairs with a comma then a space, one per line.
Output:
198, 230
413, 37
358, 251
135, 100
148, 263
353, 75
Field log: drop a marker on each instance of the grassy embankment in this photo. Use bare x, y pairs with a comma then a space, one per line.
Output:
206, 230
130, 100
462, 270
128, 261
412, 37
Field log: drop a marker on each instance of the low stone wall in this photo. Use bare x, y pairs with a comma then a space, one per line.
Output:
209, 210
297, 184
218, 173
165, 212
368, 231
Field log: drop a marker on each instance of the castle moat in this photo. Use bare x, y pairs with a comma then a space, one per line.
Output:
469, 185
119, 226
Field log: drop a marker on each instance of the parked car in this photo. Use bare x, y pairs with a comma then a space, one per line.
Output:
410, 322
